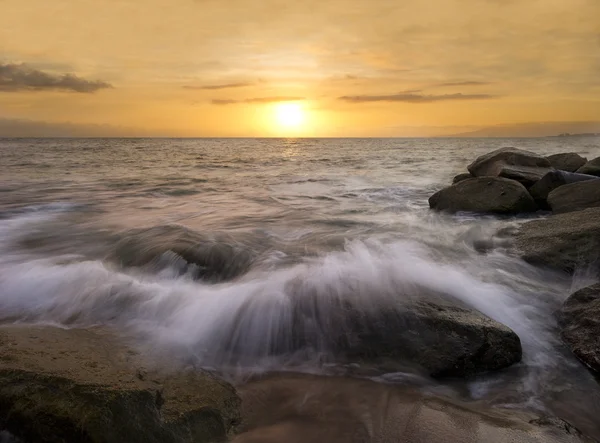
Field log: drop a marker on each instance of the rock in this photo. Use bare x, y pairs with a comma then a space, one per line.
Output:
568, 161
565, 241
294, 408
484, 194
580, 323
552, 181
461, 177
214, 259
575, 197
443, 339
59, 385
516, 164
592, 167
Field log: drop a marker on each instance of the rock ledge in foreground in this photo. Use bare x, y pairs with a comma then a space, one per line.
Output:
59, 385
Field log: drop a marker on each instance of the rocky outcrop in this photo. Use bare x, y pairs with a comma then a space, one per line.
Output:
515, 164
460, 177
552, 181
580, 323
59, 385
575, 197
295, 408
564, 241
568, 161
592, 167
484, 194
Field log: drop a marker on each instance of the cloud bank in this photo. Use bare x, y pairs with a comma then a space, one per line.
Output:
20, 77
277, 99
410, 97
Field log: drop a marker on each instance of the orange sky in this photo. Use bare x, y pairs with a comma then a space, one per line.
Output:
355, 67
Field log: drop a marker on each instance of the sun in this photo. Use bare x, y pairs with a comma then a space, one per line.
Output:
289, 115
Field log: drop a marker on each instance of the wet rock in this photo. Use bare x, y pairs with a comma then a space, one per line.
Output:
444, 339
516, 164
580, 323
207, 257
552, 181
461, 177
484, 194
575, 197
294, 408
568, 161
60, 385
592, 167
564, 242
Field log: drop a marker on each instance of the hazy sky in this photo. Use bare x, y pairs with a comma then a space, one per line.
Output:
355, 67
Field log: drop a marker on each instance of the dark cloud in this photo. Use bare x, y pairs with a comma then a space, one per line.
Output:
20, 77
411, 97
467, 83
215, 87
256, 100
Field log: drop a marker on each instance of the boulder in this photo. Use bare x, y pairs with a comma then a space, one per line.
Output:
461, 177
444, 340
516, 164
575, 196
296, 408
59, 385
580, 323
565, 241
592, 167
553, 180
484, 194
568, 161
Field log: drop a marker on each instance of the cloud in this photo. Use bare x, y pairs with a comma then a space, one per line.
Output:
216, 87
256, 100
20, 77
466, 83
411, 97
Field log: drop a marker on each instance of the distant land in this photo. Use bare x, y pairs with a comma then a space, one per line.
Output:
541, 129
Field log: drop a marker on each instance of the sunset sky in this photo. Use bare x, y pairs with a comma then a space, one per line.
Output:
305, 68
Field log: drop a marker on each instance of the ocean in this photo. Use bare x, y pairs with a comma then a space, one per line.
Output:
201, 246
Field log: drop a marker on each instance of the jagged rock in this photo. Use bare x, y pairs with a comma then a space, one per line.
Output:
565, 241
516, 164
552, 181
592, 167
59, 385
580, 323
575, 196
484, 194
568, 161
294, 408
461, 177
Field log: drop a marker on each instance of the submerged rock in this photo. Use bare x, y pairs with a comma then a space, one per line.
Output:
295, 408
575, 196
568, 161
460, 177
484, 194
592, 167
565, 241
552, 181
580, 322
516, 164
59, 385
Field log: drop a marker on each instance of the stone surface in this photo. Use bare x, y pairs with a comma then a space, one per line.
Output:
575, 196
461, 177
592, 167
294, 408
59, 385
552, 181
516, 164
580, 323
564, 241
484, 194
568, 161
